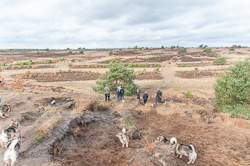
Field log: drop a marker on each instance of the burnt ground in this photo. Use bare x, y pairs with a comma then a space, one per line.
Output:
196, 74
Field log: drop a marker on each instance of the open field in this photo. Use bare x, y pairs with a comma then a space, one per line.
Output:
81, 129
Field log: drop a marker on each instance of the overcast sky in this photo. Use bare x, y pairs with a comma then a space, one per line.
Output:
123, 23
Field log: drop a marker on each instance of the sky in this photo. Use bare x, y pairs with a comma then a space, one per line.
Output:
61, 24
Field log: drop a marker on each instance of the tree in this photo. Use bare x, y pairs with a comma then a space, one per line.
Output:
110, 53
201, 46
118, 74
232, 90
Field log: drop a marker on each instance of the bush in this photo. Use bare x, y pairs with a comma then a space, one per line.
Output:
221, 60
188, 94
72, 60
70, 52
70, 64
183, 65
80, 52
172, 47
232, 90
110, 53
49, 61
117, 74
182, 50
159, 60
196, 69
208, 49
231, 49
129, 122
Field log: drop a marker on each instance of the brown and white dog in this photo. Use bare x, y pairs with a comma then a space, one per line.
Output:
162, 139
185, 150
123, 137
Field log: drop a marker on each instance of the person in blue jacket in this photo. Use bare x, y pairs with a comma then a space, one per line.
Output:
138, 94
145, 97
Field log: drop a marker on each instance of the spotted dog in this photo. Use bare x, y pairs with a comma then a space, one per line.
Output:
123, 137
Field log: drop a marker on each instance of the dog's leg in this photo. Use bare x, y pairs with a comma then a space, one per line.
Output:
127, 144
180, 156
122, 145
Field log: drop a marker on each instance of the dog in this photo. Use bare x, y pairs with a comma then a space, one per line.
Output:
185, 150
162, 139
5, 110
124, 138
53, 102
12, 149
12, 127
4, 138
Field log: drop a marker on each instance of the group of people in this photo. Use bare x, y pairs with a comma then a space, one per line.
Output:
120, 94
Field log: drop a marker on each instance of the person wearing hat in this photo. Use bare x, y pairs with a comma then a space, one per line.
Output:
158, 96
145, 97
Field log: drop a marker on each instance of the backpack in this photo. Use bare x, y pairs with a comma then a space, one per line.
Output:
121, 91
117, 90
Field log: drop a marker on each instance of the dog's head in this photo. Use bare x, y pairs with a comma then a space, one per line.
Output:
161, 138
119, 135
15, 122
173, 140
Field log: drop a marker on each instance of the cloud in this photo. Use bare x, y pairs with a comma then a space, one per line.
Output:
120, 23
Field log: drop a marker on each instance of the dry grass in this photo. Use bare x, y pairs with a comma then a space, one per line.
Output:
148, 144
53, 118
51, 164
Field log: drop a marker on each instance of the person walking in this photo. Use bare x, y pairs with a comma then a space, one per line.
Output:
107, 93
138, 94
145, 97
118, 92
122, 93
158, 96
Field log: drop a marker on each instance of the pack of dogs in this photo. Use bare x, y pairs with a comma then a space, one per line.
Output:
179, 149
10, 139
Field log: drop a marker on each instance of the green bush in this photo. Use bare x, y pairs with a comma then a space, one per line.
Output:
129, 122
188, 94
117, 74
110, 53
182, 50
169, 62
70, 52
159, 60
231, 49
183, 65
221, 60
208, 49
70, 64
232, 90
72, 60
2, 64
196, 69
80, 52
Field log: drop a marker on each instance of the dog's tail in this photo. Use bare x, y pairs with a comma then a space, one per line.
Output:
192, 147
173, 140
124, 130
13, 144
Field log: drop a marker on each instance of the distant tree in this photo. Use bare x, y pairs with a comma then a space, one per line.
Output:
162, 46
172, 47
205, 46
201, 46
118, 74
110, 53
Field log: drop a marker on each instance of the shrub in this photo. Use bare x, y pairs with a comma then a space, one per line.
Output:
183, 65
80, 52
182, 50
129, 122
231, 49
49, 61
208, 49
38, 137
70, 52
221, 60
159, 60
2, 64
196, 69
172, 47
72, 60
37, 52
188, 94
110, 53
232, 90
70, 64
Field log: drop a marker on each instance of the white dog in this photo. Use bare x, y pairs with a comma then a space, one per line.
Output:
185, 150
4, 139
11, 152
124, 138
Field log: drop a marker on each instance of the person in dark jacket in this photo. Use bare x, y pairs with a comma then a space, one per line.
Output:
145, 97
158, 96
118, 92
122, 93
138, 94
